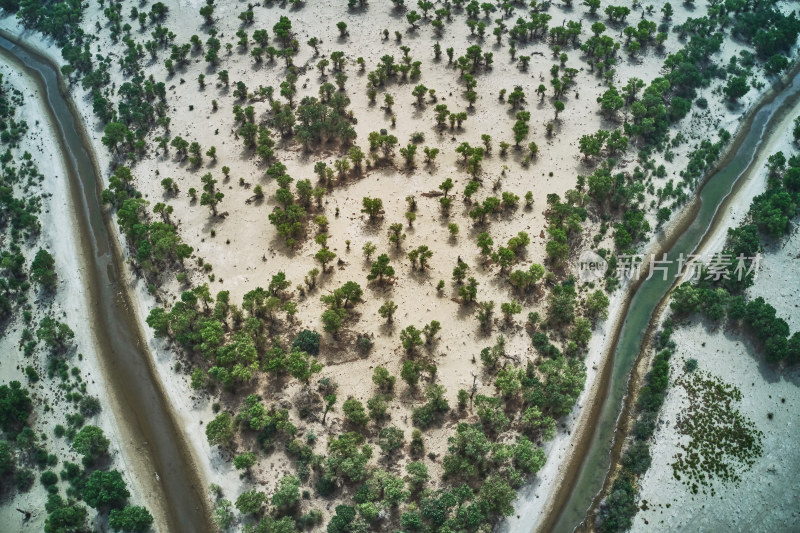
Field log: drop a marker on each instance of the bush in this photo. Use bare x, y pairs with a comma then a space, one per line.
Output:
133, 519
645, 426
690, 365
637, 458
23, 479
307, 341
48, 478
105, 490
90, 406
363, 344
617, 511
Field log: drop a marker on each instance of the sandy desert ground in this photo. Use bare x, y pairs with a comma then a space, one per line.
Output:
245, 252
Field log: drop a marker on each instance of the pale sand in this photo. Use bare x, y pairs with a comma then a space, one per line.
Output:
252, 237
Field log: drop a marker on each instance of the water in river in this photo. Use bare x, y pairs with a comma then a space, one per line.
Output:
120, 343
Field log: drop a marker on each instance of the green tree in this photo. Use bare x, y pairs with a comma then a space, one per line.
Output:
346, 460
91, 443
300, 365
244, 461
332, 320
736, 87
250, 502
220, 431
422, 254
43, 269
391, 439
64, 516
324, 256
372, 206
15, 408
105, 490
115, 133
55, 334
380, 268
559, 107
354, 411
411, 338
417, 475
387, 310
130, 519
396, 234
413, 17
509, 309
383, 379
287, 493
597, 305
410, 373
497, 495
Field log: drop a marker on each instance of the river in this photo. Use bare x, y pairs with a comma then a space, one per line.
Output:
141, 405
603, 442
147, 413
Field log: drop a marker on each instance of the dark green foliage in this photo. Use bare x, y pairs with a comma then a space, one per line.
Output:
64, 516
130, 519
307, 341
91, 443
744, 240
346, 459
391, 439
15, 407
617, 511
651, 395
23, 479
48, 478
637, 458
43, 270
563, 382
340, 522
318, 121
772, 211
737, 87
6, 458
768, 29
57, 335
437, 404
105, 489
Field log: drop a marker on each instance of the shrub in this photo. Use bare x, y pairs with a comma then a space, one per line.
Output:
48, 478
133, 519
617, 511
637, 458
307, 341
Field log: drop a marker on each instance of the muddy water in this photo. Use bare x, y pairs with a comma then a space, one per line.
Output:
142, 407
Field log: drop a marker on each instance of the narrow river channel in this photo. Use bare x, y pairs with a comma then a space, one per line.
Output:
128, 369
590, 472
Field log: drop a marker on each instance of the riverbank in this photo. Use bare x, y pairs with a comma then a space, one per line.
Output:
737, 118
162, 448
763, 500
61, 237
249, 240
190, 410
